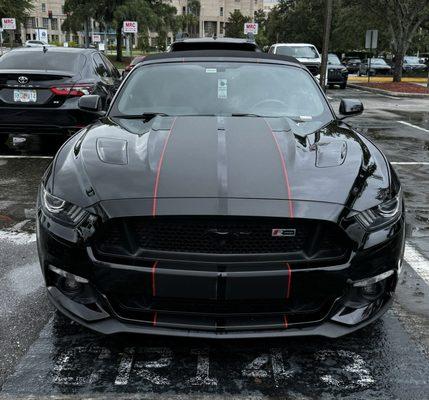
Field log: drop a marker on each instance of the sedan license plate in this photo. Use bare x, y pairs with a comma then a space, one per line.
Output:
24, 96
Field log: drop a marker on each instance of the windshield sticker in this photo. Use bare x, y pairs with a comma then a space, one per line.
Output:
222, 88
211, 70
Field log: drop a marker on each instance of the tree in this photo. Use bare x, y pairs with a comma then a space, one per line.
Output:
18, 9
150, 14
235, 24
403, 18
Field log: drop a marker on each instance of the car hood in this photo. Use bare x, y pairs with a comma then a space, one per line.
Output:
219, 158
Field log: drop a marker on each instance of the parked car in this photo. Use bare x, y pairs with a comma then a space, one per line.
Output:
40, 88
353, 65
220, 196
412, 63
306, 53
337, 72
214, 43
378, 67
132, 64
36, 43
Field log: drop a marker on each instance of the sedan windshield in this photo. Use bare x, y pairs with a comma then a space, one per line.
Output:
411, 60
298, 51
378, 61
222, 89
50, 60
333, 59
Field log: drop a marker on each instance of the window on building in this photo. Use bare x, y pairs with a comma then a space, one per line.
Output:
184, 10
54, 24
221, 11
45, 22
43, 7
31, 22
222, 28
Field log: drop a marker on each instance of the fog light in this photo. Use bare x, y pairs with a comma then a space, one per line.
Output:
71, 286
373, 291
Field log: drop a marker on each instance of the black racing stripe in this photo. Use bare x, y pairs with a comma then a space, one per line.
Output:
253, 160
190, 161
222, 167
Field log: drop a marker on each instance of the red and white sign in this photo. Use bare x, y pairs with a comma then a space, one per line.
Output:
96, 38
130, 27
251, 27
8, 23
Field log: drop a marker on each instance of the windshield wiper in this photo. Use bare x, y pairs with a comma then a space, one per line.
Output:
147, 116
246, 115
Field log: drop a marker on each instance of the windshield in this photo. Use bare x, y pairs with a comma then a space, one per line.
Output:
412, 60
298, 51
54, 61
333, 59
222, 89
378, 61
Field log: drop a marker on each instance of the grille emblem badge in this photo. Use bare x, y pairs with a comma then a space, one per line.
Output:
23, 80
282, 232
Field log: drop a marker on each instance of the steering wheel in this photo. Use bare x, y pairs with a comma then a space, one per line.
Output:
268, 101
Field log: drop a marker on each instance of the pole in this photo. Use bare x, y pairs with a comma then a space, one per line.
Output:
327, 32
1, 42
369, 61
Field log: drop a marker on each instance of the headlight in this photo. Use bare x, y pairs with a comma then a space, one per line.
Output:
344, 71
382, 215
62, 210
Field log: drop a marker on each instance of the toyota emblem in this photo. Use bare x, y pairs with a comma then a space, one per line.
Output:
22, 80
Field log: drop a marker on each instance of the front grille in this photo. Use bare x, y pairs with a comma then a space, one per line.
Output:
314, 69
308, 239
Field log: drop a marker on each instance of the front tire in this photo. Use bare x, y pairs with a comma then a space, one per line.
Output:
343, 85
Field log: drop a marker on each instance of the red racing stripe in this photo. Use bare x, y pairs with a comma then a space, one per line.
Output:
285, 174
155, 264
285, 324
289, 280
158, 172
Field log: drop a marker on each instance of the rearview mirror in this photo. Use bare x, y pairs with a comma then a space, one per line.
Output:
91, 103
350, 107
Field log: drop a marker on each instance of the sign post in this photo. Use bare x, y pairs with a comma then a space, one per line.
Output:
251, 27
42, 35
130, 27
371, 39
9, 24
1, 41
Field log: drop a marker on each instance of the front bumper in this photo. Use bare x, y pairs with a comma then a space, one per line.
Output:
259, 299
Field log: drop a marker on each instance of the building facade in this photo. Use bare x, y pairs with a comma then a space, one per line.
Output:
215, 13
49, 15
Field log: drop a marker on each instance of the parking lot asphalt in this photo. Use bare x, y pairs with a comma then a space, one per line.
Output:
44, 354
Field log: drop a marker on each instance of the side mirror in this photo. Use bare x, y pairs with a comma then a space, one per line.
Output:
350, 107
91, 103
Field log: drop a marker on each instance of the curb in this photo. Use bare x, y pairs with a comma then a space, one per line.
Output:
387, 92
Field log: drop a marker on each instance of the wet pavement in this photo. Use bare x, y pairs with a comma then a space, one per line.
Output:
44, 354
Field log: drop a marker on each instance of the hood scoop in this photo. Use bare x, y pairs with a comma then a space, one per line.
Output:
112, 151
331, 154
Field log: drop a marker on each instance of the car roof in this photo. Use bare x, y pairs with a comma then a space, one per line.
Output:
214, 43
54, 49
221, 55
295, 44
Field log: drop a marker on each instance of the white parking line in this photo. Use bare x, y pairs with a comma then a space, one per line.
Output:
413, 126
409, 163
417, 261
18, 157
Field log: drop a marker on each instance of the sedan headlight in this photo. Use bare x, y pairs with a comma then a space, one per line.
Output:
62, 210
344, 71
382, 215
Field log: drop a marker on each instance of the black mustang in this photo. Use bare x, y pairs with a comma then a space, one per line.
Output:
220, 196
